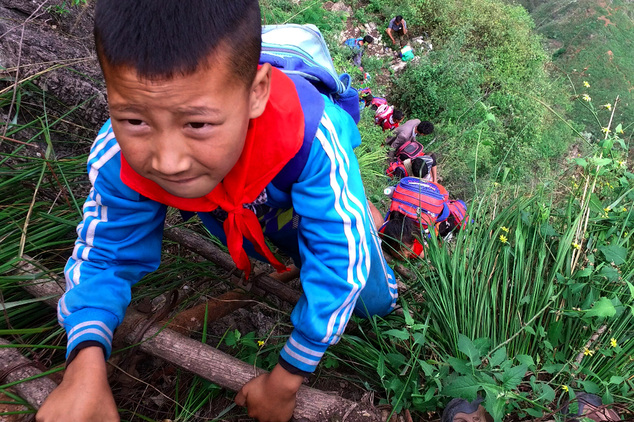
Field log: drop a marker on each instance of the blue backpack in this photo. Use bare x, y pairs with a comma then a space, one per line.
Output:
301, 53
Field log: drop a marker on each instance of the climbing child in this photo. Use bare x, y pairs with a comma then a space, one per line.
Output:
200, 123
357, 47
387, 117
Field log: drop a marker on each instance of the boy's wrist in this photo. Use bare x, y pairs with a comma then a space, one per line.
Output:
285, 382
89, 359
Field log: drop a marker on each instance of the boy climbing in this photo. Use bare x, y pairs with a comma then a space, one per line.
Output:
407, 132
357, 47
198, 125
387, 117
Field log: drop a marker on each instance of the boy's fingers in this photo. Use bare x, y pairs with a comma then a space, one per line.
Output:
241, 399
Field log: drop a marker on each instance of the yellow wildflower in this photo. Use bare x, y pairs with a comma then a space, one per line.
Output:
576, 245
565, 388
506, 229
260, 343
613, 342
606, 209
586, 97
608, 106
605, 130
624, 209
620, 131
586, 84
587, 352
503, 239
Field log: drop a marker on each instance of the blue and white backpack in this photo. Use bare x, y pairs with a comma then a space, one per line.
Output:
301, 53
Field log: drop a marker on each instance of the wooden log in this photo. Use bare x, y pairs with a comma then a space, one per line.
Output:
193, 319
210, 363
208, 250
15, 367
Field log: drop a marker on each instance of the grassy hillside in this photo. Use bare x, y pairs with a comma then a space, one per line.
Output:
591, 41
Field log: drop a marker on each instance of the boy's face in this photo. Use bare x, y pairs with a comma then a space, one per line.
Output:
187, 132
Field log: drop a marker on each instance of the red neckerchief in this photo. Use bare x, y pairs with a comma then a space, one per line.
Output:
272, 140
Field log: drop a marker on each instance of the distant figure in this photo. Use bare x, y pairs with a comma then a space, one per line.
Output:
398, 27
373, 102
357, 46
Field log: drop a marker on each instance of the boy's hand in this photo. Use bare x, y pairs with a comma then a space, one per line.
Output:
84, 394
270, 397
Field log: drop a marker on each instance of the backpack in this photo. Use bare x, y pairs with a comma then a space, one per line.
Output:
301, 53
353, 43
383, 113
395, 166
423, 201
458, 209
410, 149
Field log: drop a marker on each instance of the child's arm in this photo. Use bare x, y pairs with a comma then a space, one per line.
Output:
84, 394
119, 241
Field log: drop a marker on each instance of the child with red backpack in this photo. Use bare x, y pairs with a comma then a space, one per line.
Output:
419, 207
422, 167
387, 117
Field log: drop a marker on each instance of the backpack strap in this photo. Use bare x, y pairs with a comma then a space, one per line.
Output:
313, 105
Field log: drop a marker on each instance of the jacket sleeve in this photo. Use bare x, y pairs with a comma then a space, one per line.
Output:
334, 240
118, 242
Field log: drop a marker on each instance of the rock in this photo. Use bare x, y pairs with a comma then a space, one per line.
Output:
340, 7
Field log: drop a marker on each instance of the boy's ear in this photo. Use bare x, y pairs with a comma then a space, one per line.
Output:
260, 91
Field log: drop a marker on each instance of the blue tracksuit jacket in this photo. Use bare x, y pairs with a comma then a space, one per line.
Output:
342, 266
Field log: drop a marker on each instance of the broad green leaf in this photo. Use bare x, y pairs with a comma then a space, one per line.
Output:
603, 161
427, 368
619, 128
380, 367
400, 334
534, 412
548, 230
602, 308
609, 272
465, 387
493, 405
547, 394
614, 253
419, 338
590, 387
581, 162
584, 272
616, 380
460, 365
467, 347
396, 359
498, 357
512, 377
525, 360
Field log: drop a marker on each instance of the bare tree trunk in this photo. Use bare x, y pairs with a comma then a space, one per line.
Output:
15, 367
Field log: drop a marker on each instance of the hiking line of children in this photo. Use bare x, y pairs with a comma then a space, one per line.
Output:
420, 206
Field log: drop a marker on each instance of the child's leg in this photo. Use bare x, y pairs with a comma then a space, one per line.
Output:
380, 292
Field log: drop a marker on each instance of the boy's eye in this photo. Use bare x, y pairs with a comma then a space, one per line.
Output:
135, 122
196, 125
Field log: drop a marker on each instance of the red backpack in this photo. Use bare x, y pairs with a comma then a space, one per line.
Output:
423, 201
383, 113
458, 209
410, 149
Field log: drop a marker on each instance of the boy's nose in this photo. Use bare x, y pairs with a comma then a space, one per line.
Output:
170, 157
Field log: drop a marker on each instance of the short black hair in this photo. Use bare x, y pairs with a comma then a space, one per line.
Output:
398, 231
425, 128
164, 38
368, 39
397, 115
399, 173
398, 18
447, 226
419, 167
